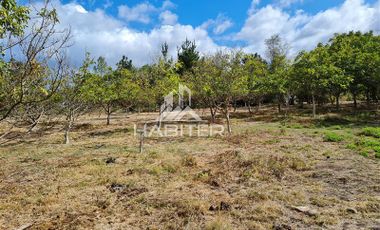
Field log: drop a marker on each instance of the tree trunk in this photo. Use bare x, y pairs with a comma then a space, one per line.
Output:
368, 97
249, 108
227, 113
235, 106
258, 105
279, 103
355, 100
213, 114
314, 105
337, 101
108, 113
108, 118
68, 128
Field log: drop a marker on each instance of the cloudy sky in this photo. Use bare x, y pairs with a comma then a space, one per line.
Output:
112, 28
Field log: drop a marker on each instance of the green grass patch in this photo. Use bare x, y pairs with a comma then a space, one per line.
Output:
371, 132
366, 147
332, 137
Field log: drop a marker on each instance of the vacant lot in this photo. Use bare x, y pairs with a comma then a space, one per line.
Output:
270, 173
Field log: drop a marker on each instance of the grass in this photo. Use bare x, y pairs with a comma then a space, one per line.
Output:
332, 137
102, 181
372, 132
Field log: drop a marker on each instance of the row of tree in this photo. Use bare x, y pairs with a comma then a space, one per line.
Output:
36, 80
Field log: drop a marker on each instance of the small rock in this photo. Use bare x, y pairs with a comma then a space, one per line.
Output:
306, 210
352, 210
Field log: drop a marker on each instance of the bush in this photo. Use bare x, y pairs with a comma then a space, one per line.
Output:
372, 132
333, 137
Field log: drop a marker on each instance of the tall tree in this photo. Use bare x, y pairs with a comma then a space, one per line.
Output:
218, 78
256, 69
278, 68
357, 55
187, 56
125, 63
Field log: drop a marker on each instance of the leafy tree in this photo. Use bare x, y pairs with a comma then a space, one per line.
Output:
125, 63
357, 55
309, 73
36, 74
278, 69
219, 78
187, 56
110, 89
256, 69
13, 19
72, 95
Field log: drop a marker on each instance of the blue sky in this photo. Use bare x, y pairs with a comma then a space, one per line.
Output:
136, 28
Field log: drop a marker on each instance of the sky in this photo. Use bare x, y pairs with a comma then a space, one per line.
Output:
135, 28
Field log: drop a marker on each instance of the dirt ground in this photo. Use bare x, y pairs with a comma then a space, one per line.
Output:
269, 174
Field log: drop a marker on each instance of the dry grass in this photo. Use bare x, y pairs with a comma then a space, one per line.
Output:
250, 180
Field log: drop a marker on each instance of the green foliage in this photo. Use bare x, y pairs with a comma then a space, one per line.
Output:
13, 18
188, 56
366, 146
333, 137
371, 131
364, 153
356, 54
124, 63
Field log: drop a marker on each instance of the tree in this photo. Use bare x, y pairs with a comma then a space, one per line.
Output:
71, 96
278, 69
218, 78
309, 73
187, 56
256, 69
357, 55
35, 75
13, 19
125, 63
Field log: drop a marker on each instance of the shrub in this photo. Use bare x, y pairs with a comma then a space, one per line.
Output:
333, 137
372, 132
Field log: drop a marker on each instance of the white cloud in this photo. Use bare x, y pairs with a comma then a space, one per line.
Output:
287, 3
142, 12
304, 31
167, 5
139, 13
168, 18
104, 35
218, 25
